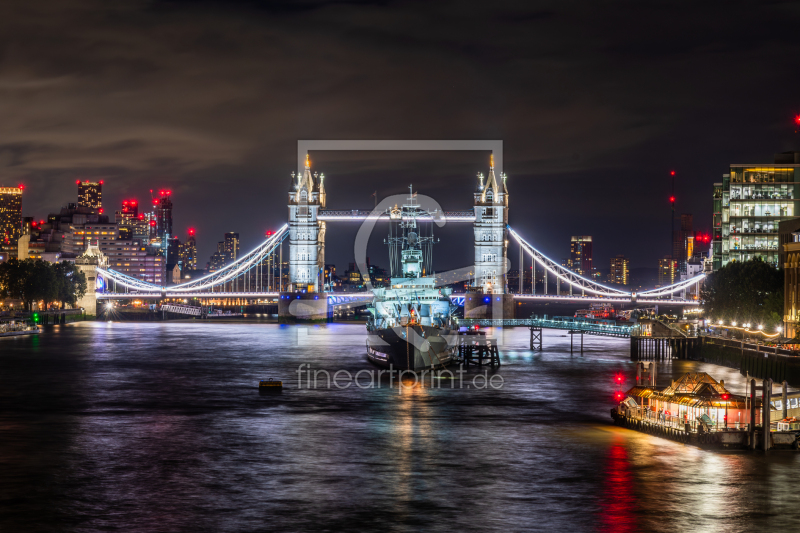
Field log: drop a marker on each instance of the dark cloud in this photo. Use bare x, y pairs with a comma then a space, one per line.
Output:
595, 101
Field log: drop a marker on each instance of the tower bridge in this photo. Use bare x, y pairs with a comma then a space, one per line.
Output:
303, 296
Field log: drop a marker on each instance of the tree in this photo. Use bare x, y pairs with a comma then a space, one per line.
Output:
11, 279
36, 280
745, 292
71, 283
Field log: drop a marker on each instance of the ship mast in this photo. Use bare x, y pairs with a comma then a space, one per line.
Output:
410, 252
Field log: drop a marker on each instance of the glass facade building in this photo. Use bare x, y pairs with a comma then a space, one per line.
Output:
748, 206
10, 215
90, 194
580, 255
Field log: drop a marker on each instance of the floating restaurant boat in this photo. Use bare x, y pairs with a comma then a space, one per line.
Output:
698, 399
696, 409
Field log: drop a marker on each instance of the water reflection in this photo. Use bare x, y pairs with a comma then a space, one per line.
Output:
618, 496
160, 427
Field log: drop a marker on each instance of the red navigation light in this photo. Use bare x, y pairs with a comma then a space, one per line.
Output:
672, 199
672, 173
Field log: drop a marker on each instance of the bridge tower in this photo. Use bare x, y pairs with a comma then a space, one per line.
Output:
88, 263
306, 248
488, 298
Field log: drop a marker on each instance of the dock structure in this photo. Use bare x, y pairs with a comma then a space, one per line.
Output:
654, 340
478, 350
590, 326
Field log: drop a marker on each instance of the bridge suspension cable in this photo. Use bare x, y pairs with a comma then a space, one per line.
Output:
565, 274
587, 285
218, 278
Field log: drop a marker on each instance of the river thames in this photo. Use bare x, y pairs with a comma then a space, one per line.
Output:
161, 427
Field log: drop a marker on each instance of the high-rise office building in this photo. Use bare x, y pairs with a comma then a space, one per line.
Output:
10, 215
231, 247
748, 206
681, 242
620, 267
667, 271
218, 258
164, 220
127, 218
188, 252
580, 255
90, 194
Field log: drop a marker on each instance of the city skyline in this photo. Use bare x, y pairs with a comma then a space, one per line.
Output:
623, 107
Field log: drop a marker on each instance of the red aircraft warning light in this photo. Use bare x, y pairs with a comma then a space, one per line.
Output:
191, 231
797, 119
672, 173
21, 187
101, 210
152, 222
672, 199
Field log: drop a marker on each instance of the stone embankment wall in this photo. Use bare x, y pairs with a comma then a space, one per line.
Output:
757, 364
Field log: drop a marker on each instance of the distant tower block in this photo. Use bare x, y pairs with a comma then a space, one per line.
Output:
489, 298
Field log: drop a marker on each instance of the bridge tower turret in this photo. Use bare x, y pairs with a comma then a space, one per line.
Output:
489, 299
305, 199
303, 299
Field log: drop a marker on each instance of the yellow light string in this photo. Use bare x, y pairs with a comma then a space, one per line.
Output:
747, 330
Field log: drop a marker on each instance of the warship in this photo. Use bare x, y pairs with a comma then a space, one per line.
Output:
410, 326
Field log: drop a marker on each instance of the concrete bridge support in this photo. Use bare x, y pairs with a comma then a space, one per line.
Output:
296, 306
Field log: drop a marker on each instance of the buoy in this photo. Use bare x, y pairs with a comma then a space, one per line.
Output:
270, 385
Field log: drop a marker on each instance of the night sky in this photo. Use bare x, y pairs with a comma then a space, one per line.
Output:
595, 101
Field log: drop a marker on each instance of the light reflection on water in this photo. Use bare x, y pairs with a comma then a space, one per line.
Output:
157, 427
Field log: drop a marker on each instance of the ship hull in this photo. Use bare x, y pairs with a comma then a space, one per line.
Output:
411, 347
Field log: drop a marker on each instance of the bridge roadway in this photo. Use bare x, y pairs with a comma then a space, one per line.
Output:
361, 298
605, 328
